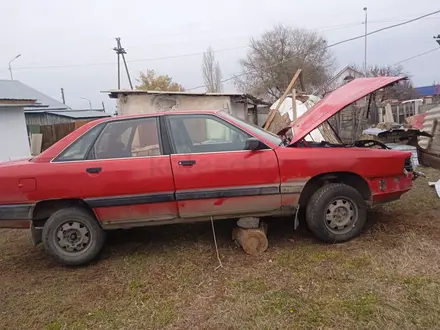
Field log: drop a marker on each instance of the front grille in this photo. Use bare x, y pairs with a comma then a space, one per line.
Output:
408, 165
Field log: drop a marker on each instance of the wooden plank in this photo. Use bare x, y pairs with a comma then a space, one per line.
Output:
294, 104
54, 133
301, 83
286, 92
279, 122
33, 129
80, 123
327, 133
36, 143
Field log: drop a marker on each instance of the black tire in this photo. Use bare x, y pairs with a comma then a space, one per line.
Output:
78, 222
341, 203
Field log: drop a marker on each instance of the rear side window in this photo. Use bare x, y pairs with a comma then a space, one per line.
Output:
128, 138
79, 148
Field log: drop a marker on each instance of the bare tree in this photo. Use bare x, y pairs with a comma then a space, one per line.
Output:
401, 91
274, 58
211, 72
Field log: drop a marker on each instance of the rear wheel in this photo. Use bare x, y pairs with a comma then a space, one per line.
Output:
73, 237
336, 213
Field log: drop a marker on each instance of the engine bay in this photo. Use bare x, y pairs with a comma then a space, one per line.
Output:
356, 144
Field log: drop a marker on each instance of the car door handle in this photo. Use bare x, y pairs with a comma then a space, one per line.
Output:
187, 162
93, 170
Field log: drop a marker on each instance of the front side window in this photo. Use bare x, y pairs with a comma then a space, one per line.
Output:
79, 148
254, 129
204, 134
128, 138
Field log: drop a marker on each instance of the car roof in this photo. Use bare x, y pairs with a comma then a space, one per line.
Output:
160, 113
56, 148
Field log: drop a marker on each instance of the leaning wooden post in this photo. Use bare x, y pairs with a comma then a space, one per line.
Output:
294, 104
286, 92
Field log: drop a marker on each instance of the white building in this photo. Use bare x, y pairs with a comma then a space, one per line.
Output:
131, 102
346, 75
13, 133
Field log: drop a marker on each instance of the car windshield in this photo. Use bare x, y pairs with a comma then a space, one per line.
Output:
256, 130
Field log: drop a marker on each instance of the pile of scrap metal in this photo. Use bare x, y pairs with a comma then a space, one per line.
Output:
393, 133
397, 137
420, 135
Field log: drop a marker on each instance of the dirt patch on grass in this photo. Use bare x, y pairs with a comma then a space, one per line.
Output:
164, 278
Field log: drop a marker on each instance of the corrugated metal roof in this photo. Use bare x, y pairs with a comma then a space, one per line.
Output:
136, 91
16, 90
15, 105
428, 90
428, 124
80, 114
252, 99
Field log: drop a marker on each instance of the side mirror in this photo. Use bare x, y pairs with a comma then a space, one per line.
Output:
252, 144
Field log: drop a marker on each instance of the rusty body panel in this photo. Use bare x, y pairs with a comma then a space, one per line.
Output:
140, 213
237, 206
16, 224
221, 208
16, 216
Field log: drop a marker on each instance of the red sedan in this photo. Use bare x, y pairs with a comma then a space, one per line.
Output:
177, 167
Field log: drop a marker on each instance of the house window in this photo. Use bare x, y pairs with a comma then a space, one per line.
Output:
348, 78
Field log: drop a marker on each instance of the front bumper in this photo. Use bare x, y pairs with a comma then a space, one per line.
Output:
389, 189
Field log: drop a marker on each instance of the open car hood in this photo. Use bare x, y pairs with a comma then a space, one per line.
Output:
335, 102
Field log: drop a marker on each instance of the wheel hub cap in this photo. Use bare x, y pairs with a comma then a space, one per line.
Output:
341, 215
73, 236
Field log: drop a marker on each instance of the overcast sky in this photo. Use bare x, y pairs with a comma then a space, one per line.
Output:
69, 43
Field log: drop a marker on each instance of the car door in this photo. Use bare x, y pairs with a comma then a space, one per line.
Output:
213, 173
124, 175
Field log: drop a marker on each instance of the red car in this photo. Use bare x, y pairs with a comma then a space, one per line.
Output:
177, 167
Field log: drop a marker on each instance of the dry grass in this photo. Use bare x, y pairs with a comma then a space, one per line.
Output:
164, 278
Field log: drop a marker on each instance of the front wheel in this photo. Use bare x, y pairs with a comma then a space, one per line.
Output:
336, 213
73, 237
